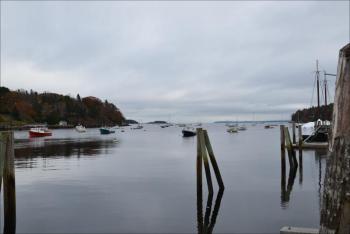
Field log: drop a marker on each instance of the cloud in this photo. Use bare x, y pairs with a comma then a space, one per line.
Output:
190, 60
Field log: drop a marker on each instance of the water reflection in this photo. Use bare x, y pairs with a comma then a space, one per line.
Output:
287, 189
26, 150
209, 217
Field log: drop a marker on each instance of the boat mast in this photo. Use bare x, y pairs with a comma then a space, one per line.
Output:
325, 89
318, 90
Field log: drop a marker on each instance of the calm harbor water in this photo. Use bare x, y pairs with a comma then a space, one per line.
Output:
145, 181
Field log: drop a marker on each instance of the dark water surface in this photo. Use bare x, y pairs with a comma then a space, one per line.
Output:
145, 181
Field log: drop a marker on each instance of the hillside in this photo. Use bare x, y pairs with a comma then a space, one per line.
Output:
23, 107
310, 114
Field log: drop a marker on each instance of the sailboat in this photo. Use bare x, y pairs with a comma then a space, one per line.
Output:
317, 131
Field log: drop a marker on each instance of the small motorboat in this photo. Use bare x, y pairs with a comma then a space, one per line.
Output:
166, 125
232, 130
188, 132
268, 126
80, 128
39, 132
105, 131
242, 128
139, 126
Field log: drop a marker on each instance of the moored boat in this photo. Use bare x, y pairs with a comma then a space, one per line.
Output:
139, 126
105, 131
39, 132
316, 131
242, 128
188, 132
80, 128
232, 130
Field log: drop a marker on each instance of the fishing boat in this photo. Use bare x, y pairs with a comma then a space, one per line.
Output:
188, 132
105, 131
80, 128
39, 132
232, 130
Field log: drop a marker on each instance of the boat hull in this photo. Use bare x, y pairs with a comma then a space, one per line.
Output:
39, 134
186, 133
106, 131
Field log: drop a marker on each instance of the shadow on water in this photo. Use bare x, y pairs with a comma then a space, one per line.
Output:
25, 150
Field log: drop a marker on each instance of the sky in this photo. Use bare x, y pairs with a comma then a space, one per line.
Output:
197, 61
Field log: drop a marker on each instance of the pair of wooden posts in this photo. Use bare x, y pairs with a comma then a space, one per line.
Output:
286, 142
204, 150
7, 176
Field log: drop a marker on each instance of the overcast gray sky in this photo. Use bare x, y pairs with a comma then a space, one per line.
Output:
183, 61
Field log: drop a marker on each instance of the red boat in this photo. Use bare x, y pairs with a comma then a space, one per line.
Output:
39, 132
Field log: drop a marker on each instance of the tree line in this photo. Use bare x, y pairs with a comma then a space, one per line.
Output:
23, 107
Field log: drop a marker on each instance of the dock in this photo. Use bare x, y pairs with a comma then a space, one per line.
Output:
314, 145
294, 142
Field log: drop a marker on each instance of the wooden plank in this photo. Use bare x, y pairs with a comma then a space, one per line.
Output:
213, 160
311, 146
298, 230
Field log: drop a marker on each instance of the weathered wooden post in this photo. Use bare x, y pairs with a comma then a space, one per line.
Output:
289, 148
335, 213
199, 187
300, 138
200, 136
213, 160
8, 182
282, 138
293, 132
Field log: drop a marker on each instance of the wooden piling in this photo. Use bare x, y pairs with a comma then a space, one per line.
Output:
204, 153
9, 185
293, 133
2, 156
213, 160
289, 147
199, 187
335, 212
287, 138
282, 138
300, 138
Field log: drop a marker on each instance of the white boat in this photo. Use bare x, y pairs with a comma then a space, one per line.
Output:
139, 126
316, 131
80, 128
